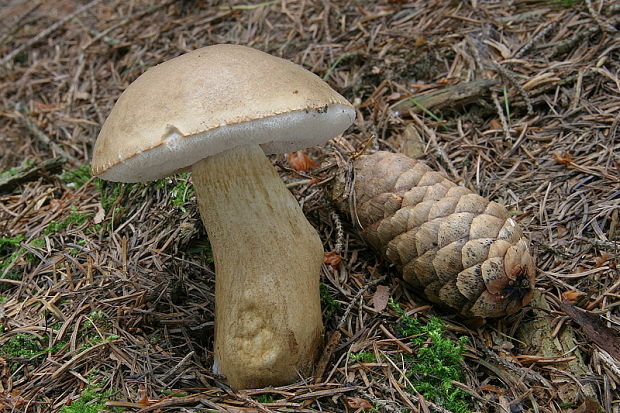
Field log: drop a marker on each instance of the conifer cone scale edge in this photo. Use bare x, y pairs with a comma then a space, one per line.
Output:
453, 246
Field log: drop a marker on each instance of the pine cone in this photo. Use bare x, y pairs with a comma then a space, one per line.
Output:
457, 248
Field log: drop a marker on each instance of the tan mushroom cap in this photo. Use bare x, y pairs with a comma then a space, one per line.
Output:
211, 100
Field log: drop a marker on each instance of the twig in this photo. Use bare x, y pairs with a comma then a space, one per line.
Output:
354, 300
535, 39
507, 75
179, 365
520, 371
339, 232
447, 97
567, 44
502, 117
47, 31
606, 27
26, 173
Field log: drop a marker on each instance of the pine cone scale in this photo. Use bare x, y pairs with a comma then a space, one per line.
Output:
456, 247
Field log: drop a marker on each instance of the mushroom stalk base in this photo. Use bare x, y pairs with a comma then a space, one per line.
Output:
268, 326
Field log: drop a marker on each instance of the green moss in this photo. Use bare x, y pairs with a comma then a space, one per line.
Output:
76, 178
328, 304
75, 219
437, 362
174, 393
77, 251
27, 346
111, 191
14, 171
179, 188
21, 345
98, 318
264, 398
268, 397
362, 357
10, 250
567, 3
9, 244
92, 400
95, 325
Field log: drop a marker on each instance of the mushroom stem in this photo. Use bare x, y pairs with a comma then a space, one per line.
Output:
268, 257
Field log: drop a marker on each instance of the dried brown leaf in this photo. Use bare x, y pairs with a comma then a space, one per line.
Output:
572, 295
380, 298
299, 161
563, 158
358, 403
100, 215
602, 260
491, 388
332, 258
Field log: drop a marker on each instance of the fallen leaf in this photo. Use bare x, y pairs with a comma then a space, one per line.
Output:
589, 405
602, 260
328, 351
299, 161
332, 259
100, 215
56, 204
394, 96
495, 124
358, 403
571, 296
561, 230
144, 397
491, 388
563, 158
413, 146
82, 96
380, 298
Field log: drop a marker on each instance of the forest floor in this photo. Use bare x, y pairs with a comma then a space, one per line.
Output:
107, 290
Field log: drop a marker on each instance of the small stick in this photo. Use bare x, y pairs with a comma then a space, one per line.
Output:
502, 117
606, 27
354, 300
567, 44
507, 75
339, 232
449, 96
26, 173
328, 351
16, 25
535, 39
176, 368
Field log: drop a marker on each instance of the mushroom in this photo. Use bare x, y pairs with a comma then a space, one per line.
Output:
219, 110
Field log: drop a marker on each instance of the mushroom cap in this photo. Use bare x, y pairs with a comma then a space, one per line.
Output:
211, 100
